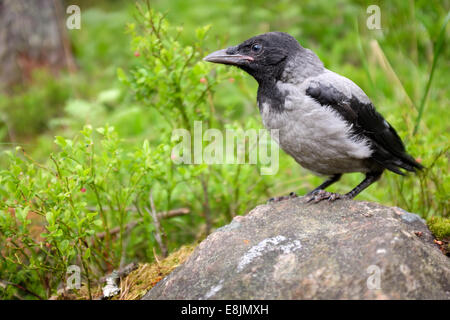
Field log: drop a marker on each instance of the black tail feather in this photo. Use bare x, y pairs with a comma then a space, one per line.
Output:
395, 164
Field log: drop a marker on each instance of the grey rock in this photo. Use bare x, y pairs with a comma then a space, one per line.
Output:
294, 250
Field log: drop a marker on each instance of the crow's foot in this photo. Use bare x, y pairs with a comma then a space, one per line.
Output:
291, 195
320, 195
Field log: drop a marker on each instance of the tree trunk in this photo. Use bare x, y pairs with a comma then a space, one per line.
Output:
32, 35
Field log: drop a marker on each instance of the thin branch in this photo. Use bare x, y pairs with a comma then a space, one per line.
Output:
5, 283
160, 216
158, 228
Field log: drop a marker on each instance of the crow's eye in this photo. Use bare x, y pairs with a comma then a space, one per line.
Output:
256, 47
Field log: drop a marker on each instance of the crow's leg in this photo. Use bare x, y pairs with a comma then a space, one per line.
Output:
325, 184
370, 178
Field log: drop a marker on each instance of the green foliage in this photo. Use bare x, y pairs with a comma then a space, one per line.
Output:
84, 189
28, 112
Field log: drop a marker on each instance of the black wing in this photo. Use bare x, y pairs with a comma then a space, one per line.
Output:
388, 149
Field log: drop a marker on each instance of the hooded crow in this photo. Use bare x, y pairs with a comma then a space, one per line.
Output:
325, 121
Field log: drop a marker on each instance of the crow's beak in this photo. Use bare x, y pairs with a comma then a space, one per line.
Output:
221, 56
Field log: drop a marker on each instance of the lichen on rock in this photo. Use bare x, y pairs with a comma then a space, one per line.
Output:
296, 250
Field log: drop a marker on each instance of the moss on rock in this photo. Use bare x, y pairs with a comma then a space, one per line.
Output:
440, 227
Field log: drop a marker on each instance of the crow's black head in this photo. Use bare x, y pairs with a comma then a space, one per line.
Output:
264, 56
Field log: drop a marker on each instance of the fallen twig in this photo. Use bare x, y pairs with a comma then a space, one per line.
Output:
121, 272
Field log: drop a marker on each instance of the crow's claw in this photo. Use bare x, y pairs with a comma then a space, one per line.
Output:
320, 195
291, 195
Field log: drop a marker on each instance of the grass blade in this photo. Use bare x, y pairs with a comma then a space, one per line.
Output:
437, 52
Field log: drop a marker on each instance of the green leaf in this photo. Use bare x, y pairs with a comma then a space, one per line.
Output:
201, 32
22, 213
87, 253
50, 217
63, 245
60, 141
91, 215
